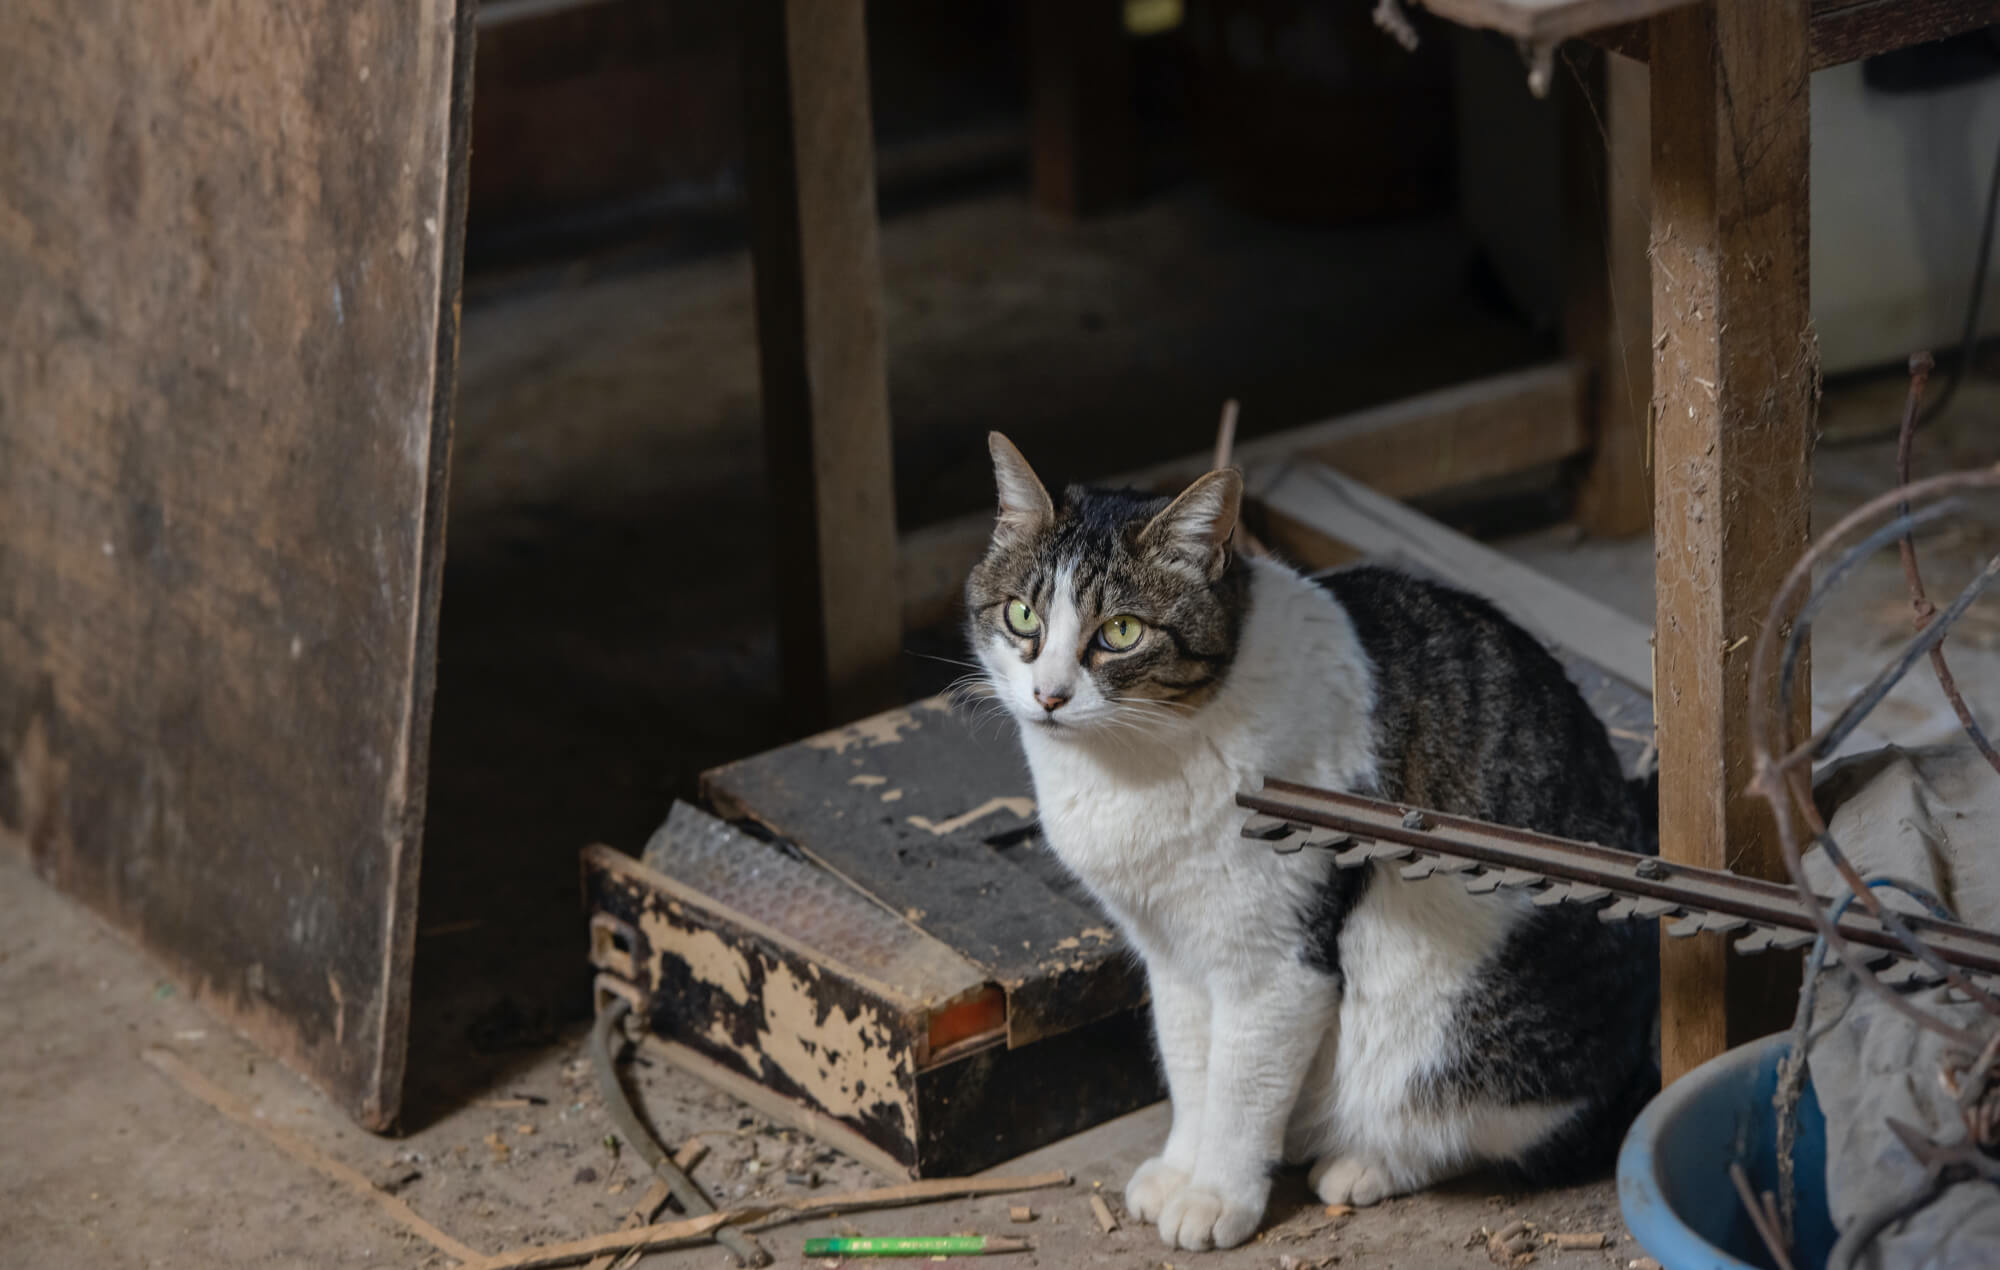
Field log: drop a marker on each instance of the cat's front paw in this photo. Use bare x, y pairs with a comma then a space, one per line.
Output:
1347, 1180
1202, 1217
1154, 1183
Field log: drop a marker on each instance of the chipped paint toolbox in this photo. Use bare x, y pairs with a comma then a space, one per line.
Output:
868, 939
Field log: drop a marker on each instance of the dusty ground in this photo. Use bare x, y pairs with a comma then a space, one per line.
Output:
109, 1162
605, 639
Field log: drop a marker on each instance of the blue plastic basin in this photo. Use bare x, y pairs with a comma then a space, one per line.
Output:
1673, 1171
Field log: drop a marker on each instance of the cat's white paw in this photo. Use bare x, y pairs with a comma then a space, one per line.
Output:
1202, 1217
1347, 1180
1154, 1183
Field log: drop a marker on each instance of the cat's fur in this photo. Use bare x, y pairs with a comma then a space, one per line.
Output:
1390, 1033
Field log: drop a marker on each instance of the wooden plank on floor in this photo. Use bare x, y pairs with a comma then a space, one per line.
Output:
820, 343
229, 246
1424, 444
1378, 527
1735, 382
1608, 312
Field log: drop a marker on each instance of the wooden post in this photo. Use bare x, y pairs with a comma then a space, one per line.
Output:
1084, 125
811, 168
1735, 382
1608, 314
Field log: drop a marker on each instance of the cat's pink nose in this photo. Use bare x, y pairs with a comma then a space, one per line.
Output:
1050, 702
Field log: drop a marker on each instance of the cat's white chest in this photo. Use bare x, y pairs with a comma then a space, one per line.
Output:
1130, 840
1151, 825
1168, 861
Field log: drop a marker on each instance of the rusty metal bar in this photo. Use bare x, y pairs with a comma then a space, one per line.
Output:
1492, 857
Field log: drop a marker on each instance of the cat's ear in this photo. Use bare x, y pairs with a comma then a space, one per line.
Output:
1194, 529
1025, 506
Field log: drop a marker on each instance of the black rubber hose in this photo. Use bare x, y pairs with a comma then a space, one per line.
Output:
634, 1131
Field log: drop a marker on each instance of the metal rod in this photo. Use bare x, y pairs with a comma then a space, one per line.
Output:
1622, 873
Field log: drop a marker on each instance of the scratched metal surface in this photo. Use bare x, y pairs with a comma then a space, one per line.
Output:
762, 881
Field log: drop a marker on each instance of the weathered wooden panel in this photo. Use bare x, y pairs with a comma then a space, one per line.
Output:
229, 260
821, 1019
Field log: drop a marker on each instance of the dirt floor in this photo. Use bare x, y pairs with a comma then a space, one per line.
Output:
111, 1162
606, 637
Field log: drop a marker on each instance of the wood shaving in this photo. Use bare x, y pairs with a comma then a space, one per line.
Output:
1577, 1241
1102, 1211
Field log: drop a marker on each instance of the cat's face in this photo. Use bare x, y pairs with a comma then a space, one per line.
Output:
1114, 613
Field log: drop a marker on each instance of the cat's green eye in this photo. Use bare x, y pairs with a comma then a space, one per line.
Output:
1120, 633
1021, 619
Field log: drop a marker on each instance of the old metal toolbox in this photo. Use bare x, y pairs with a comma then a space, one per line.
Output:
869, 940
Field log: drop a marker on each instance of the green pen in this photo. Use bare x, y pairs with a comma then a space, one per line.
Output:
914, 1246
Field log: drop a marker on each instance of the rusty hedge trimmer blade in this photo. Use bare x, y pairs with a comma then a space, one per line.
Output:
1620, 885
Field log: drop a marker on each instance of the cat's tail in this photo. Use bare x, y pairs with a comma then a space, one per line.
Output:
1587, 1147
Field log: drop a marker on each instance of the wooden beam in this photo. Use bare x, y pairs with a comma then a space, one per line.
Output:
819, 330
1083, 118
1735, 380
1419, 445
1547, 21
1348, 512
1846, 31
1607, 317
1433, 441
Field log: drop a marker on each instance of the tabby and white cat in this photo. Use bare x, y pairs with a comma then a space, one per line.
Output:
1390, 1033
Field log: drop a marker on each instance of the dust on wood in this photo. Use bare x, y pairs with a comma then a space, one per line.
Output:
230, 246
1736, 381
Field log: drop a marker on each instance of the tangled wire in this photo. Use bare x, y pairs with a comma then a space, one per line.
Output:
1783, 778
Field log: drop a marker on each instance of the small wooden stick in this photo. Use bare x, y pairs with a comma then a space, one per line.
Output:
168, 1063
1767, 1231
1105, 1221
644, 1212
692, 1152
1225, 446
1225, 436
1577, 1241
701, 1229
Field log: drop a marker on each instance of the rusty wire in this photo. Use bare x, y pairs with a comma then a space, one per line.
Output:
1783, 777
1783, 771
1920, 373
